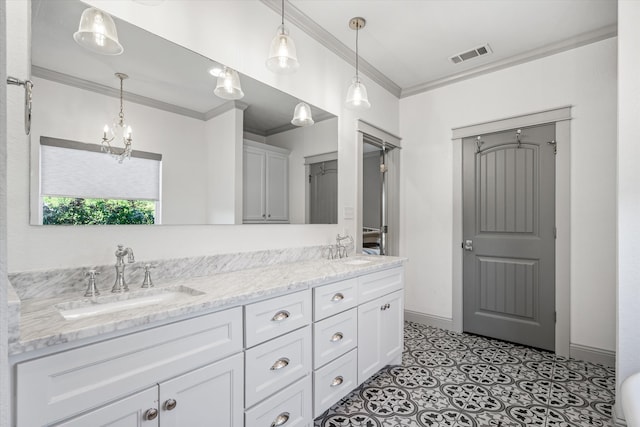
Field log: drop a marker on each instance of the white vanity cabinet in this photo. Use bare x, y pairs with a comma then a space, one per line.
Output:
357, 330
184, 361
380, 321
211, 395
278, 361
265, 183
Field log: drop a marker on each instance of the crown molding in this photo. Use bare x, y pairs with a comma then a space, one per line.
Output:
531, 55
325, 38
229, 105
79, 83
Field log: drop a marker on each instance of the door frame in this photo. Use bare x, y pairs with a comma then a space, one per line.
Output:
561, 116
393, 184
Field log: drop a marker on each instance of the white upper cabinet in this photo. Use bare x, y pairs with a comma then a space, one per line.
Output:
265, 183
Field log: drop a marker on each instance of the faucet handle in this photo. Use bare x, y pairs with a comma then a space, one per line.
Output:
147, 282
92, 289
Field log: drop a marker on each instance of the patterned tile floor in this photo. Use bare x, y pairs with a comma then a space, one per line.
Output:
461, 380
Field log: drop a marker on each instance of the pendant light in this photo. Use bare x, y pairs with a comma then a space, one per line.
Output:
357, 98
282, 54
228, 85
97, 32
302, 115
119, 131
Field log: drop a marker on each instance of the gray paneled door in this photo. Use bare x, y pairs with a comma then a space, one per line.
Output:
509, 236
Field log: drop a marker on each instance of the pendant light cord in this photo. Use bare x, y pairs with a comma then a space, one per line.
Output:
357, 56
282, 12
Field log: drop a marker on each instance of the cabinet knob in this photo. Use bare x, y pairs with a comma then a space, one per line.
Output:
384, 307
170, 404
337, 337
337, 297
337, 381
280, 316
280, 420
269, 216
264, 216
280, 363
151, 414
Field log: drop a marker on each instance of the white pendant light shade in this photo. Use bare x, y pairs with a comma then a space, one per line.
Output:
97, 32
302, 115
282, 54
357, 98
228, 85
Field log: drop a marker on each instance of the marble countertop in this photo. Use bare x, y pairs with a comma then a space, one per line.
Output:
41, 324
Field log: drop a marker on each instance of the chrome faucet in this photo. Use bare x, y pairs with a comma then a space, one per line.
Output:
340, 249
121, 285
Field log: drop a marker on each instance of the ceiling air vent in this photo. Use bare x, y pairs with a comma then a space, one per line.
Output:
470, 54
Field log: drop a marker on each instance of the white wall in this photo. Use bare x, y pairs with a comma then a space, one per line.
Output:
321, 138
322, 80
584, 78
628, 308
223, 148
179, 139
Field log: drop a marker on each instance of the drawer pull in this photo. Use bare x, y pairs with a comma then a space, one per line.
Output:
337, 337
170, 404
280, 363
337, 297
151, 414
385, 307
280, 420
337, 381
280, 316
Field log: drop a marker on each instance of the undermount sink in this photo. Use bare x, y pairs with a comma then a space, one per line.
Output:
117, 302
357, 261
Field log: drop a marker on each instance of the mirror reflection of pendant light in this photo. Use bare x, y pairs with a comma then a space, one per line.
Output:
357, 98
97, 32
282, 54
302, 115
228, 85
119, 130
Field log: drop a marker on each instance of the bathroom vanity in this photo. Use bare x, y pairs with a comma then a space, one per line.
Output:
269, 346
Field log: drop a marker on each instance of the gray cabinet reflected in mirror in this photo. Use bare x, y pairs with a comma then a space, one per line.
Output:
197, 140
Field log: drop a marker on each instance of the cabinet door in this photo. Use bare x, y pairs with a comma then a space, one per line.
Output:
253, 184
277, 187
138, 410
380, 328
209, 396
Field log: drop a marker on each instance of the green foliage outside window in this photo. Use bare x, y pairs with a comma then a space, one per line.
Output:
77, 211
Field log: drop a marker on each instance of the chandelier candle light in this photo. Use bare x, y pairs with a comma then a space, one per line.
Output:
119, 130
357, 94
282, 54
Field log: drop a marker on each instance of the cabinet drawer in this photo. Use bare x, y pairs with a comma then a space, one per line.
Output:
271, 318
334, 298
381, 283
58, 386
334, 336
334, 381
291, 407
275, 364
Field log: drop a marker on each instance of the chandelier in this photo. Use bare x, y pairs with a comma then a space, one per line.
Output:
118, 131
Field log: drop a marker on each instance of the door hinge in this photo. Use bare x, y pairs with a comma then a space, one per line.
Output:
555, 317
555, 232
384, 229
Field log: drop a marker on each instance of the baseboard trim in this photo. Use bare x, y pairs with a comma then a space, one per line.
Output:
429, 320
617, 421
592, 354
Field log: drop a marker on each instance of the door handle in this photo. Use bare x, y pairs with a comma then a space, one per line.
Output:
467, 245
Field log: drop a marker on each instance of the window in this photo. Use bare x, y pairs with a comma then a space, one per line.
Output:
79, 184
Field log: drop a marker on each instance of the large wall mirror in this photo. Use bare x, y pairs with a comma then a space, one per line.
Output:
197, 158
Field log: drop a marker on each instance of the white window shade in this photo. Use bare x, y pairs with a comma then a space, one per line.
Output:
75, 169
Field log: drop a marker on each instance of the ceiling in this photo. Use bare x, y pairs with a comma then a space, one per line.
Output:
405, 47
410, 41
161, 74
